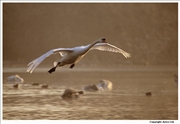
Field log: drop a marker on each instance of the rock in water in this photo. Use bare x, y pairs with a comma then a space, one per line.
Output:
71, 93
15, 79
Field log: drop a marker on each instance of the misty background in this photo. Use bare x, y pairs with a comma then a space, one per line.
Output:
149, 31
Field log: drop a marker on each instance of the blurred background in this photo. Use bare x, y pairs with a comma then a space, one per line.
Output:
149, 31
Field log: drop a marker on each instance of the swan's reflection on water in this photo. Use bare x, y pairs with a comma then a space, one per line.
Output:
127, 100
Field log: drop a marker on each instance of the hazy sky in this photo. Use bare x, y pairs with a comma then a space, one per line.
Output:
148, 31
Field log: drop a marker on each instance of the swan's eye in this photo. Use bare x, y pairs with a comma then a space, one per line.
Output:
103, 39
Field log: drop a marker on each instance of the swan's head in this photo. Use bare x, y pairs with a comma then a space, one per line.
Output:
102, 40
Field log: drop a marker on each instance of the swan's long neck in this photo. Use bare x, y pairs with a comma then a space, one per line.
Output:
91, 45
85, 50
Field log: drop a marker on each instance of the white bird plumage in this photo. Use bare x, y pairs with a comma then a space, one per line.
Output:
73, 55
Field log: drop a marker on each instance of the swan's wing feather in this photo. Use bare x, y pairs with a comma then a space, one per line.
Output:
110, 48
62, 51
32, 65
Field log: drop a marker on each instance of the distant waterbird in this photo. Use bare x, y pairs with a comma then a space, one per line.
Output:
73, 55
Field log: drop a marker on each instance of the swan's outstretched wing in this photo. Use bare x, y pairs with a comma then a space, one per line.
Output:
62, 51
110, 48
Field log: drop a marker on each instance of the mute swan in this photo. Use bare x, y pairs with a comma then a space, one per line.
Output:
73, 55
71, 93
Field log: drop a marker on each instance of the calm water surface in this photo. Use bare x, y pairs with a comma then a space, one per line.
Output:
127, 100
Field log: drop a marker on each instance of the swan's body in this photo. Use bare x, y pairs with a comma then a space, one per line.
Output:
73, 55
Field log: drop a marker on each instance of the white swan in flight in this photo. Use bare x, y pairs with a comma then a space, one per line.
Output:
73, 55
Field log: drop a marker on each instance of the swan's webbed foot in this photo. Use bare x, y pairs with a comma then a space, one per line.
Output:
72, 66
52, 70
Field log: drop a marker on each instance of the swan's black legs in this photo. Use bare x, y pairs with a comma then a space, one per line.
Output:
72, 66
53, 69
